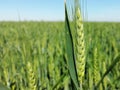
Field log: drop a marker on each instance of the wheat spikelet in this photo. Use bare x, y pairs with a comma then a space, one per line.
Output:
31, 77
80, 46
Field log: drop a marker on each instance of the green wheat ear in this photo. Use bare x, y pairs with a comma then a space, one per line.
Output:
31, 77
96, 73
80, 46
96, 67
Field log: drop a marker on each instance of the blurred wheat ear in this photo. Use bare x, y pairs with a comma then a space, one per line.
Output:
31, 77
3, 87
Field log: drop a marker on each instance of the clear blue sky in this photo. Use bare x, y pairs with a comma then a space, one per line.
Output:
52, 10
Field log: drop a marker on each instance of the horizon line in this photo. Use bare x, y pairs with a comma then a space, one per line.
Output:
53, 21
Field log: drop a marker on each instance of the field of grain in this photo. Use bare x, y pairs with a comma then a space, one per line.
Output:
33, 56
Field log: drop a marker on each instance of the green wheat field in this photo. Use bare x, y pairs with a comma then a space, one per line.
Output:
69, 55
43, 45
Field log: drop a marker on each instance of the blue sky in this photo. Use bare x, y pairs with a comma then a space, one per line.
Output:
53, 10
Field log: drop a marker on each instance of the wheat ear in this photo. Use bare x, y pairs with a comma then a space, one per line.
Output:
31, 77
80, 46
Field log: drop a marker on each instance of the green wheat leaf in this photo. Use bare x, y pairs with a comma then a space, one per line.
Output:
70, 51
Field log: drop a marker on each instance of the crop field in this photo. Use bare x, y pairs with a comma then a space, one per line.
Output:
33, 56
